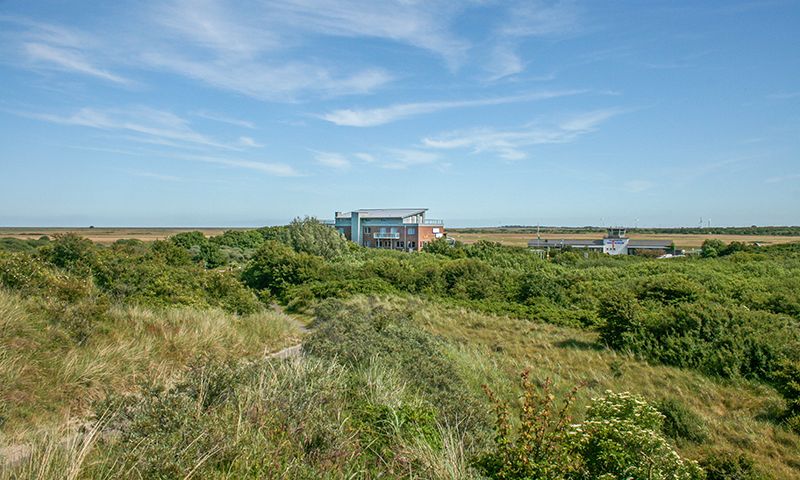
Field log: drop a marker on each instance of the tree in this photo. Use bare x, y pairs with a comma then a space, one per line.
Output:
712, 248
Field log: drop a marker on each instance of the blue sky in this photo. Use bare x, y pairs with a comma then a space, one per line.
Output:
212, 113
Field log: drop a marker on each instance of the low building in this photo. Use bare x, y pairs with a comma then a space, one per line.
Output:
614, 243
405, 229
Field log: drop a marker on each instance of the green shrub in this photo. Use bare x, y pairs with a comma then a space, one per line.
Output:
187, 240
71, 252
730, 466
787, 381
539, 448
620, 438
240, 239
622, 325
356, 334
680, 422
382, 426
276, 267
712, 248
225, 291
28, 245
669, 288
311, 236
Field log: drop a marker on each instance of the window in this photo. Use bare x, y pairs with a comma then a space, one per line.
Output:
383, 229
394, 230
412, 244
411, 231
366, 230
399, 244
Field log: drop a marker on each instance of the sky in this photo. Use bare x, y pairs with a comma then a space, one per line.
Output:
249, 113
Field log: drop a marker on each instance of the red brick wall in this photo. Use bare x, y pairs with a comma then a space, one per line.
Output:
426, 234
422, 234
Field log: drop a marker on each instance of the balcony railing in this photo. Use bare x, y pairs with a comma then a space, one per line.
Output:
381, 236
431, 221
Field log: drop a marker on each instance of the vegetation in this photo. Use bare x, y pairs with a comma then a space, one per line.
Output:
149, 360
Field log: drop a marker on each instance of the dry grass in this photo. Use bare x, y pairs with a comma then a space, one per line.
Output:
681, 240
45, 376
493, 350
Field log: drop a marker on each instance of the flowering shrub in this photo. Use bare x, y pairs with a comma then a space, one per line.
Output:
620, 439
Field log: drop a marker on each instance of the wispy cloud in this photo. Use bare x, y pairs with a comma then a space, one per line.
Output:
423, 25
249, 142
217, 117
41, 45
381, 116
268, 81
155, 125
246, 52
528, 18
511, 144
538, 18
365, 157
504, 62
402, 158
69, 60
332, 160
270, 168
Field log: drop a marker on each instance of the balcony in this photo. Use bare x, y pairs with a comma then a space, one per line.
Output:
432, 221
385, 235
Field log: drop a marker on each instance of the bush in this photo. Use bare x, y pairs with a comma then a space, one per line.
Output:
71, 252
300, 298
622, 325
187, 240
681, 423
311, 236
787, 381
669, 288
539, 448
730, 466
226, 292
358, 334
276, 267
241, 239
28, 246
712, 248
620, 438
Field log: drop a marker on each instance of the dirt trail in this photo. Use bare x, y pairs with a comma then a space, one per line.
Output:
292, 350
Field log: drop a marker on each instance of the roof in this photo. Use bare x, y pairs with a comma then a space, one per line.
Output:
384, 212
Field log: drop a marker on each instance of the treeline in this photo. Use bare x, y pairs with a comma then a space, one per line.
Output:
789, 231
